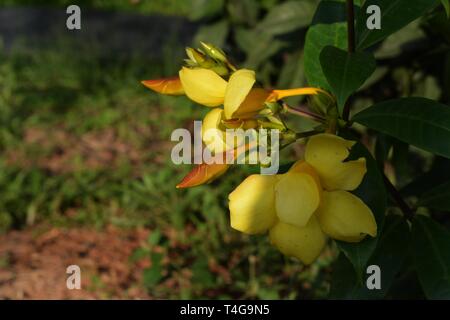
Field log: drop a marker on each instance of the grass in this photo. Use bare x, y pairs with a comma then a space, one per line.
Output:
166, 7
84, 144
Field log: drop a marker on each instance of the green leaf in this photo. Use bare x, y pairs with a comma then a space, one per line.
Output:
326, 30
437, 198
389, 256
287, 17
153, 275
431, 248
446, 4
438, 174
292, 75
418, 121
200, 9
372, 191
212, 33
258, 47
243, 12
395, 14
317, 37
345, 72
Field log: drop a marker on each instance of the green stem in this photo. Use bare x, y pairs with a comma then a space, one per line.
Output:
406, 209
351, 26
350, 46
303, 113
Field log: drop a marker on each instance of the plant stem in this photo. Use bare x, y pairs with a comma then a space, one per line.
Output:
303, 113
406, 209
350, 46
350, 26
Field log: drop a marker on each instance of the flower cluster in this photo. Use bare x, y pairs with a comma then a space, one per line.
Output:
298, 209
309, 202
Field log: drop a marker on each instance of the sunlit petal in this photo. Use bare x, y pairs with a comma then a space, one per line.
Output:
326, 154
239, 86
203, 86
252, 204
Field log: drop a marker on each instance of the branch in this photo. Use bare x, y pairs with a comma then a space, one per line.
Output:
351, 26
407, 211
350, 46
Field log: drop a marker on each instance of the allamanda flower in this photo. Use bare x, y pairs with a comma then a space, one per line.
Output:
311, 201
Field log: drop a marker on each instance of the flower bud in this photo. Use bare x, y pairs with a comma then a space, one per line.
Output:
214, 52
201, 174
168, 86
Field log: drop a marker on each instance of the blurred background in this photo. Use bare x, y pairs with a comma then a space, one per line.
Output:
85, 170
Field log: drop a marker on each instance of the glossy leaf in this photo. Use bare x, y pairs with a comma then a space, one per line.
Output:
421, 122
431, 248
389, 256
201, 9
372, 191
345, 72
437, 198
328, 29
287, 17
394, 15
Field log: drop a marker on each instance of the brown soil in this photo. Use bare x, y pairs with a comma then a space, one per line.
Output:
33, 263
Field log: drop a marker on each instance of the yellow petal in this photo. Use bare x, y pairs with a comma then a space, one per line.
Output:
303, 167
170, 86
252, 204
304, 243
239, 86
203, 86
296, 198
212, 135
326, 154
252, 104
344, 216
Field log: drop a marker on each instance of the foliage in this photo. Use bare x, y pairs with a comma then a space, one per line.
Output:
396, 84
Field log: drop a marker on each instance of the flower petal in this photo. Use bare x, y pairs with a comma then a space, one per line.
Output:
239, 86
202, 173
296, 198
170, 86
252, 204
203, 86
304, 243
344, 216
326, 153
252, 104
212, 135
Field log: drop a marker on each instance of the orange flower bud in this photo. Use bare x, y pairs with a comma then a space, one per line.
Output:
170, 86
201, 174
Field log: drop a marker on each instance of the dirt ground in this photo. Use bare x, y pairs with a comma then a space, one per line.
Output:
33, 263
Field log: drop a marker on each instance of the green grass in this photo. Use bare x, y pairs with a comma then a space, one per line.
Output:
166, 7
83, 143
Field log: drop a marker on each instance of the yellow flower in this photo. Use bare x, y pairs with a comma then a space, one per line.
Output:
295, 209
327, 154
203, 86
